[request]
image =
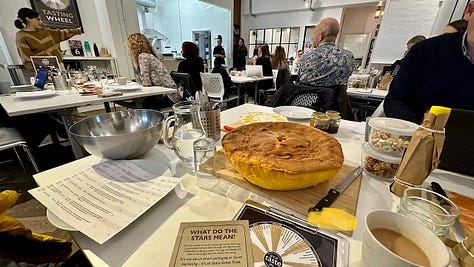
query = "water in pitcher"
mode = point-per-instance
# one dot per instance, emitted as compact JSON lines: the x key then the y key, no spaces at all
{"x":184,"y":140}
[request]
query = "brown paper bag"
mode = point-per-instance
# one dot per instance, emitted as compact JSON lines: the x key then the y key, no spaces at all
{"x":385,"y":81}
{"x":422,"y":154}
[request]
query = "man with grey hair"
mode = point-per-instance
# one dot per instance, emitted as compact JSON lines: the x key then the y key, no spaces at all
{"x":326,"y":65}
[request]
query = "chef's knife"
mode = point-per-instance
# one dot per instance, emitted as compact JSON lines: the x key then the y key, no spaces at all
{"x":336,"y":191}
{"x":457,"y":224}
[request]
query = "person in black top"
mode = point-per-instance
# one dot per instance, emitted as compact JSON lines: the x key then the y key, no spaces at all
{"x":193,"y":64}
{"x":264,"y":60}
{"x":225,"y":78}
{"x":396,"y":65}
{"x":437,"y":71}
{"x":240,"y":54}
{"x":219,"y":52}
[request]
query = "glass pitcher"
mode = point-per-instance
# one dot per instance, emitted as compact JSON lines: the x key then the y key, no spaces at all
{"x":187,"y":129}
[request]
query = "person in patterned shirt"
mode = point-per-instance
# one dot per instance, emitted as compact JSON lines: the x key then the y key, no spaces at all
{"x":150,"y":71}
{"x":326,"y":65}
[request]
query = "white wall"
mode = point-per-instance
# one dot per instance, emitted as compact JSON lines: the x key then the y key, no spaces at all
{"x":299,"y":18}
{"x":177,"y":19}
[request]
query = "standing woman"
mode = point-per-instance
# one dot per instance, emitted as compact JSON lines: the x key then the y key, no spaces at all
{"x":193,"y":64}
{"x":150,"y":71}
{"x":263,"y":59}
{"x":240,"y":54}
{"x":35,"y":40}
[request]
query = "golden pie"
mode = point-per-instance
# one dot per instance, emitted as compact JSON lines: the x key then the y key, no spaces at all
{"x":283,"y":155}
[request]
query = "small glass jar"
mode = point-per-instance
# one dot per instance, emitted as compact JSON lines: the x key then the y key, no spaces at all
{"x":321,"y":122}
{"x":313,"y":117}
{"x":334,"y":121}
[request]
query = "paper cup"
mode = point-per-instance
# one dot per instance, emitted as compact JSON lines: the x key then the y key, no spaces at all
{"x":374,"y":253}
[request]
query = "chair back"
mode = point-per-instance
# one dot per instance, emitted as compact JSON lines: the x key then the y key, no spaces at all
{"x":184,"y":83}
{"x":213,"y":85}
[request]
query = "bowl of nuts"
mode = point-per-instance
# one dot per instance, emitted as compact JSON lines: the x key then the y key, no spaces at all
{"x":379,"y":165}
{"x":390,"y":135}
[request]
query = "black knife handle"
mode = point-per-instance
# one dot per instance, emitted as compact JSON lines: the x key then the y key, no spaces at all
{"x":326,"y":201}
{"x":438,"y":189}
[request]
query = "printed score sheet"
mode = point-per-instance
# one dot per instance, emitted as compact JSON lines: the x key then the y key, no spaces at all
{"x":105,"y":198}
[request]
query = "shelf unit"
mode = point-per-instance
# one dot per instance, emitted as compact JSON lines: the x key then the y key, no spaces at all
{"x":108,"y":63}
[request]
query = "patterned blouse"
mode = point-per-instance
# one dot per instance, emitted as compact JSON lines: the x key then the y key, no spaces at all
{"x":153,"y":73}
{"x":326,"y":65}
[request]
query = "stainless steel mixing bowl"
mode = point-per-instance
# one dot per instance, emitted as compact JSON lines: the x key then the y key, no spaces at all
{"x":123,"y":134}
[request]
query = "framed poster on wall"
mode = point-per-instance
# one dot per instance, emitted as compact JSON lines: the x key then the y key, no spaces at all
{"x":58,"y":14}
{"x":308,"y":37}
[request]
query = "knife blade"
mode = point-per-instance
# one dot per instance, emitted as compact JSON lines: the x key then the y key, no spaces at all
{"x":457,"y":224}
{"x":336,"y":191}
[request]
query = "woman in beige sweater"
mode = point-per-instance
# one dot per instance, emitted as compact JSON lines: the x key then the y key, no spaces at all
{"x":35,"y":40}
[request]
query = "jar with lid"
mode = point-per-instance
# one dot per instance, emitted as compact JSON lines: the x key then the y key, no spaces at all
{"x":334,"y":121}
{"x":321,"y":122}
{"x":313,"y":117}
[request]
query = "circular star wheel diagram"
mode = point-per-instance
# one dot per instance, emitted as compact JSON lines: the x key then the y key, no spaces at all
{"x":275,"y":245}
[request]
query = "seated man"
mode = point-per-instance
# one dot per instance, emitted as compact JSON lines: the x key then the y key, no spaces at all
{"x":327,"y":65}
{"x":437,"y":71}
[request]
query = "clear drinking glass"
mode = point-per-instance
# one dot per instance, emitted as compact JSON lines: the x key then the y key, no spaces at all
{"x":433,"y":210}
{"x":104,"y":82}
{"x":204,"y":152}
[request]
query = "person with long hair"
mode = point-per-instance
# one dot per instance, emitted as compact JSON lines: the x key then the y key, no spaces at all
{"x":240,"y":54}
{"x":150,"y":71}
{"x":33,"y":39}
{"x":263,"y":59}
{"x":279,"y":60}
{"x":193,"y":64}
{"x":280,"y":63}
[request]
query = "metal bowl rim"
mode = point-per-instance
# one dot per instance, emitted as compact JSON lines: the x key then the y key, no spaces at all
{"x":117,"y":135}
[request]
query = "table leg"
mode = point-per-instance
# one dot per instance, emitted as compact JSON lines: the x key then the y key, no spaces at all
{"x":66,"y":116}
{"x":107,"y":107}
{"x":255,"y":101}
{"x":238,"y":94}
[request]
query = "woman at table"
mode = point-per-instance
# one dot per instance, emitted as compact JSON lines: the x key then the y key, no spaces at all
{"x":193,"y":64}
{"x":263,"y":59}
{"x":280,"y":63}
{"x":35,"y":40}
{"x":150,"y":71}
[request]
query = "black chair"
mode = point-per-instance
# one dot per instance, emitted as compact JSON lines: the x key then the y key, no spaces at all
{"x":185,"y":84}
{"x":317,"y":98}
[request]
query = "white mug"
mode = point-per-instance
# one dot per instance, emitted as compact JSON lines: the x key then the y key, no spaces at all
{"x":121,"y":80}
{"x":376,"y":254}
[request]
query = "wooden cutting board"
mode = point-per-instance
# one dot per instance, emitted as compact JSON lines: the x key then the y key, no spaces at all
{"x":297,"y":200}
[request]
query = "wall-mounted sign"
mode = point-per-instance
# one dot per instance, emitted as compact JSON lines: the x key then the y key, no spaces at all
{"x":58,"y":14}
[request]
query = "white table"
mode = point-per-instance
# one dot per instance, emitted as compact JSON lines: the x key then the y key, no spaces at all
{"x":367,"y":92}
{"x":240,"y":80}
{"x":64,"y":103}
{"x":152,"y":236}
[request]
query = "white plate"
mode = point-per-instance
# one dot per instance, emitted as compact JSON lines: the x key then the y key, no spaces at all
{"x":294,"y":112}
{"x":36,"y":94}
{"x":150,"y":166}
{"x":124,"y":88}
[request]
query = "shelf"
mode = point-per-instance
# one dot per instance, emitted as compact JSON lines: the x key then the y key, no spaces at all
{"x":89,"y":58}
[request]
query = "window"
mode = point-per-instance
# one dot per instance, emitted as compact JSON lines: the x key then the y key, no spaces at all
{"x":273,"y":37}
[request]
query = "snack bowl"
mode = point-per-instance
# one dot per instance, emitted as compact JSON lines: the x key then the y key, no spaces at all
{"x":123,"y":134}
{"x":390,"y":135}
{"x":379,"y":165}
